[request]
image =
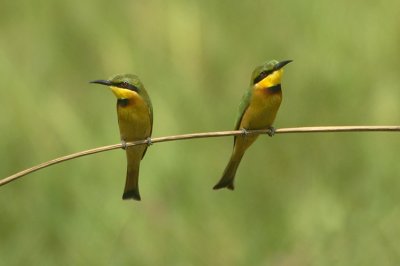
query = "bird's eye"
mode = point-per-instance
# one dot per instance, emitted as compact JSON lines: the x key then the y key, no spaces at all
{"x":127,"y":85}
{"x":261,"y":76}
{"x":124,"y":84}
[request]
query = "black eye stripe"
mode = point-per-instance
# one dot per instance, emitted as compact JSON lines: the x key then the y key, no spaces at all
{"x":126,"y":85}
{"x":262,"y":75}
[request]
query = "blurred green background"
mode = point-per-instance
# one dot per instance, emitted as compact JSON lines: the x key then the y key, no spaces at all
{"x":301,"y":199}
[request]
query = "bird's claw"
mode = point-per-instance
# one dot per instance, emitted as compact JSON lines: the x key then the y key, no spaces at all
{"x":149,"y":142}
{"x":244,"y":132}
{"x":271,"y":131}
{"x":123,"y":143}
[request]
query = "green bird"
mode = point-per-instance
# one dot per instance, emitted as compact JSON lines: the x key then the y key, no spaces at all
{"x":257,"y":110}
{"x":135,"y":120}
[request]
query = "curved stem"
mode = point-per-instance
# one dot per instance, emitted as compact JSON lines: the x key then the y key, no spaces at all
{"x":195,"y":136}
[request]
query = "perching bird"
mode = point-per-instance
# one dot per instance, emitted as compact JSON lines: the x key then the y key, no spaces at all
{"x":135,"y":119}
{"x":257,"y":110}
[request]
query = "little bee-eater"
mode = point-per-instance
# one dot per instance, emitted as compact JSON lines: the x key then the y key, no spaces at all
{"x":135,"y":119}
{"x":257,"y":110}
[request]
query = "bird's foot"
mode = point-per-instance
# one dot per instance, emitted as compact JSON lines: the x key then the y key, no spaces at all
{"x":244,"y":132}
{"x":123,"y":143}
{"x":149,"y":142}
{"x":271,"y":131}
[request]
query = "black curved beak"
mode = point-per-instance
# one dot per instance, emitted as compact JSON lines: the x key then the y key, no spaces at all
{"x":102,"y":82}
{"x":282,"y":64}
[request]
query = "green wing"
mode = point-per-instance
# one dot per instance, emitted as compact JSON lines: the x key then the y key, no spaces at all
{"x":244,"y":104}
{"x":151,"y":114}
{"x":150,"y":106}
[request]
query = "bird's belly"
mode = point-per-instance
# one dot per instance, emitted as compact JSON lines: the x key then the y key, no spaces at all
{"x":134,"y":123}
{"x":262,"y":111}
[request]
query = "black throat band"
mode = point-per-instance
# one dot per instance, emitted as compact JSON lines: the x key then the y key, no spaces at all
{"x":122,"y":102}
{"x":274,"y":89}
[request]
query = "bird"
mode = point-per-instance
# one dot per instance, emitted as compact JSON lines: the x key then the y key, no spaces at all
{"x":135,"y":120}
{"x":257,"y":110}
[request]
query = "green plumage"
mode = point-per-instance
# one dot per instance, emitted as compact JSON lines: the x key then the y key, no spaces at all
{"x":134,"y":80}
{"x":135,"y":120}
{"x":257,"y":110}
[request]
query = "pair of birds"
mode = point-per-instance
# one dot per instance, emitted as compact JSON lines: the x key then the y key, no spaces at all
{"x":257,"y":110}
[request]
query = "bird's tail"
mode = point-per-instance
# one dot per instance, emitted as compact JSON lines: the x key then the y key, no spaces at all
{"x":131,"y":190}
{"x":228,"y":176}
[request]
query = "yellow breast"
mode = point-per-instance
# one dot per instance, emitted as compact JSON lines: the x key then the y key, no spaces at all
{"x":262,"y":109}
{"x":134,"y":119}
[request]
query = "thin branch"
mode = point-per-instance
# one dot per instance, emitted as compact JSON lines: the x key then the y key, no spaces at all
{"x":196,"y":136}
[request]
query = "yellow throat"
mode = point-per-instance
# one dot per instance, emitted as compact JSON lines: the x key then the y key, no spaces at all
{"x":271,"y":80}
{"x":121,"y":93}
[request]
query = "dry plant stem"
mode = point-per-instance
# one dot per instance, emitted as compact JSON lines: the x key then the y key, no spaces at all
{"x":195,"y":136}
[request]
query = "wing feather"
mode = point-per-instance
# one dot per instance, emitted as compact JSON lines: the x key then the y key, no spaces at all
{"x":244,"y":104}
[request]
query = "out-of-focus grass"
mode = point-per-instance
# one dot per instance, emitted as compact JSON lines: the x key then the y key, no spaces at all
{"x":315,"y":199}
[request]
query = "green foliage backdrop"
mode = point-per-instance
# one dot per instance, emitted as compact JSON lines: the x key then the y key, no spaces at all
{"x":305,"y":199}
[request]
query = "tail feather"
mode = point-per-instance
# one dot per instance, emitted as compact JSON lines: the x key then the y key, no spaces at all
{"x":228,"y":177}
{"x":131,"y":194}
{"x":131,"y":190}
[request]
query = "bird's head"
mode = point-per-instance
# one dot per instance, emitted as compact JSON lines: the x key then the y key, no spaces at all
{"x":124,"y":86}
{"x":268,"y":74}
